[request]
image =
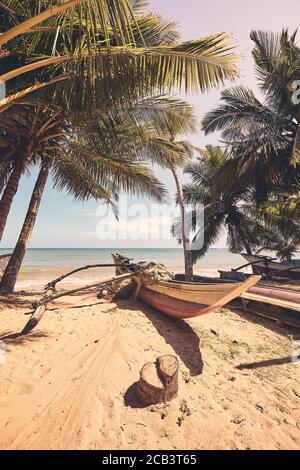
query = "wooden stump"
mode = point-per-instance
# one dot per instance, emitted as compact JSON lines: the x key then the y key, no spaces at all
{"x":158,"y":381}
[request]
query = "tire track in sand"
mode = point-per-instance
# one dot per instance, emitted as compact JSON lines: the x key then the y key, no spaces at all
{"x":60,"y":403}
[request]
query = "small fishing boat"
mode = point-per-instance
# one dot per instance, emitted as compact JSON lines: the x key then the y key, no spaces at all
{"x":180,"y":299}
{"x":266,"y":265}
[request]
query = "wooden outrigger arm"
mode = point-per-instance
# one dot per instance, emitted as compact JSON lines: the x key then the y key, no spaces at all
{"x":52,"y":285}
{"x":263,"y":259}
{"x":40,"y":306}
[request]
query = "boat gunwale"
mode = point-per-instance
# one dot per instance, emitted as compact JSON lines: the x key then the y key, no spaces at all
{"x":192,"y":286}
{"x":188,"y":286}
{"x":268,"y":263}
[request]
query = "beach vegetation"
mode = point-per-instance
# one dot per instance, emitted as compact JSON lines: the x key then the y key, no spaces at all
{"x":98,"y":156}
{"x":250,"y":184}
{"x":225,"y":209}
{"x":87,"y":57}
{"x":262,"y":135}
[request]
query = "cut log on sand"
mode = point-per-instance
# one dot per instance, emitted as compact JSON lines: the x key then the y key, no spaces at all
{"x":158,"y":381}
{"x":40,"y":306}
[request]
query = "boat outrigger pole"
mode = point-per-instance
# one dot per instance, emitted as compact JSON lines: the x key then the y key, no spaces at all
{"x":265,"y":259}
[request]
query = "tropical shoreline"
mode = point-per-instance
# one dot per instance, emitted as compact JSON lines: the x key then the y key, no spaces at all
{"x":43,"y":265}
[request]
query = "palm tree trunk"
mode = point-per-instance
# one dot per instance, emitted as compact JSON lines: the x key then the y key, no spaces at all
{"x":247,"y":247}
{"x":188,"y":259}
{"x":244,"y":241}
{"x":11,"y":272}
{"x":11,"y":189}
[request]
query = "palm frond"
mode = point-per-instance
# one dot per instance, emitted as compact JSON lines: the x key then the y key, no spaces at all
{"x":194,"y":65}
{"x":154,"y":30}
{"x":96,"y":17}
{"x":73,"y":178}
{"x":277,"y":64}
{"x":239,"y":108}
{"x":295,"y":158}
{"x":194,"y":194}
{"x":213,"y":225}
{"x":124,"y":173}
{"x":168,"y":115}
{"x":7,"y":103}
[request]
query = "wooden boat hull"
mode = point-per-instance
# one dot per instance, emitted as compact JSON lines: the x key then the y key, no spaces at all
{"x":175,"y":308}
{"x":271,"y":266}
{"x":276,"y":293}
{"x":276,"y":303}
{"x":286,"y":299}
{"x":187,"y":300}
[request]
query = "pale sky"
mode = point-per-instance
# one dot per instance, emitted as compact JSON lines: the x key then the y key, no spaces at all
{"x":64,"y":223}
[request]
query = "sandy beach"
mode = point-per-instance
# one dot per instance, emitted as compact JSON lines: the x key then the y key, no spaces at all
{"x":70,"y":383}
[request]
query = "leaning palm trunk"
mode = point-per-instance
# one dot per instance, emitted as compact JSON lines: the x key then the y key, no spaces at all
{"x":244,"y":241}
{"x":247,"y":246}
{"x":10,"y":100}
{"x":188,"y":260}
{"x":10,"y":275}
{"x":11,"y":189}
{"x":35,"y":20}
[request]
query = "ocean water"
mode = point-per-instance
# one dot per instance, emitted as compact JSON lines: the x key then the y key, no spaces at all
{"x":42,"y":265}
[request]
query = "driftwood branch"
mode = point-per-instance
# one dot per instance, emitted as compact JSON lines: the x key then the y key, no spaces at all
{"x":40,"y":306}
{"x":49,"y":298}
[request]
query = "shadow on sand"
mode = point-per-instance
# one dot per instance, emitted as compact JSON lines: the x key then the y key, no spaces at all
{"x":13,"y":302}
{"x":130,"y":398}
{"x":177,"y":333}
{"x":269,"y":363}
{"x":272,"y":324}
{"x":20,"y":338}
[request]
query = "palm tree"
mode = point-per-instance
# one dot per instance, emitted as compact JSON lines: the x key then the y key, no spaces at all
{"x":224,"y":209}
{"x":11,"y":7}
{"x":285,"y":247}
{"x":271,"y":226}
{"x":9,"y":278}
{"x":188,"y":260}
{"x":263,"y":136}
{"x":10,"y":147}
{"x":106,"y":75}
{"x":173,"y":155}
{"x":107,"y":56}
{"x":25,"y":129}
{"x":22,"y":138}
{"x":100,"y":157}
